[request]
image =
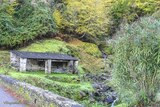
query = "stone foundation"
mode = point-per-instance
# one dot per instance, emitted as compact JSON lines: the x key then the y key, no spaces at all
{"x":38,"y":96}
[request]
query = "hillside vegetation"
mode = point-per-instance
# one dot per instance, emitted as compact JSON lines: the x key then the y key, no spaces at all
{"x":125,"y":31}
{"x":89,"y":55}
{"x":69,"y":85}
{"x":136,"y":64}
{"x":23,"y":21}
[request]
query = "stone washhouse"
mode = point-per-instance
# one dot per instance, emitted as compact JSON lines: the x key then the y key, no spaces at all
{"x":48,"y":62}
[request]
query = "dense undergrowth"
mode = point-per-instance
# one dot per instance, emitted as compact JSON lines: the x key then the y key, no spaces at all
{"x":23,"y":21}
{"x":136,"y":64}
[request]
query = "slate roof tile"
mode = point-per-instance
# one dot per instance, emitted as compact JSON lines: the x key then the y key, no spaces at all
{"x":41,"y":55}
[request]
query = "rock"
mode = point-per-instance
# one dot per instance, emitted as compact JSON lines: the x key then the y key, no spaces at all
{"x":103,"y":78}
{"x":76,"y":106}
{"x":96,"y":77}
{"x":92,"y":100}
{"x":105,"y":88}
{"x":109,"y":99}
{"x":86,"y":92}
{"x":96,"y":86}
{"x":102,"y":92}
{"x":97,"y":94}
{"x":82,"y":94}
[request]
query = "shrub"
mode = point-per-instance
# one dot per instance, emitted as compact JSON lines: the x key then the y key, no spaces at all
{"x":122,"y":105}
{"x":22,"y":22}
{"x":91,"y":49}
{"x":83,"y":17}
{"x":137,"y":59}
{"x":130,"y":10}
{"x":64,"y":79}
{"x":157,"y":14}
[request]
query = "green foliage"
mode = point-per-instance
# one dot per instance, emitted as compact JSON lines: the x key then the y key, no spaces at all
{"x":91,"y":49}
{"x":108,"y":50}
{"x":24,"y":20}
{"x":157,"y":14}
{"x":10,"y":9}
{"x":73,"y":79}
{"x":84,"y":17}
{"x":130,"y":10}
{"x":93,"y":104}
{"x":21,"y":22}
{"x":4,"y":58}
{"x":136,"y":64}
{"x":4,"y":62}
{"x":122,"y":105}
{"x":47,"y":46}
{"x":68,"y":89}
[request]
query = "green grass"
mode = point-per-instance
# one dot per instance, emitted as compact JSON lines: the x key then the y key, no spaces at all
{"x":67,"y":89}
{"x":42,"y":75}
{"x":122,"y":105}
{"x":67,"y":85}
{"x":4,"y":57}
{"x":86,"y":52}
{"x":47,"y":46}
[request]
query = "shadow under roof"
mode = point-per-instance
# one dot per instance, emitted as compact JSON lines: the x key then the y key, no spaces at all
{"x":41,"y":55}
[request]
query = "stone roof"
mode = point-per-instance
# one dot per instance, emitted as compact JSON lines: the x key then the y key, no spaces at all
{"x":41,"y":55}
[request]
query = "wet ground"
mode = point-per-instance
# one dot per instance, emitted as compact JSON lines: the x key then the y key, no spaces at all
{"x":6,"y":100}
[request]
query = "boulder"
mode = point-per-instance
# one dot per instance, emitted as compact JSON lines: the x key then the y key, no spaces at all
{"x":109,"y":99}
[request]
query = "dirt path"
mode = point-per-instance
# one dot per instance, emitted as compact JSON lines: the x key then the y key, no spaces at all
{"x":6,"y":100}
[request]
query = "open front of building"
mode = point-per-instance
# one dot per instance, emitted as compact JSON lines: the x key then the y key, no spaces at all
{"x":48,"y":62}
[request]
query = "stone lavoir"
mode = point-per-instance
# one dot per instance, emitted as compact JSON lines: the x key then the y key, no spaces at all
{"x":49,"y":62}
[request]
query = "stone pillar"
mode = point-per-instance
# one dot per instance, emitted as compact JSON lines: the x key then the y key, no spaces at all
{"x":12,"y":58}
{"x":23,"y":64}
{"x":70,"y":66}
{"x":75,"y":66}
{"x":48,"y":66}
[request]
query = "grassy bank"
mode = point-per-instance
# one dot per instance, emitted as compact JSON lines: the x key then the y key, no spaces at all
{"x":67,"y":85}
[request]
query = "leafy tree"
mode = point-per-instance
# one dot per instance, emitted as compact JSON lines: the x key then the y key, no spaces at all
{"x":84,"y":17}
{"x":130,"y":10}
{"x":24,"y":22}
{"x":136,"y":65}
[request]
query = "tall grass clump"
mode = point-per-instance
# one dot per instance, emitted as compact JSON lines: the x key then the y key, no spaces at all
{"x":136,"y":71}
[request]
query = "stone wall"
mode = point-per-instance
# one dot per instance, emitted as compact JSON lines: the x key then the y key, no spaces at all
{"x":32,"y":65}
{"x":14,"y":60}
{"x":38,"y":96}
